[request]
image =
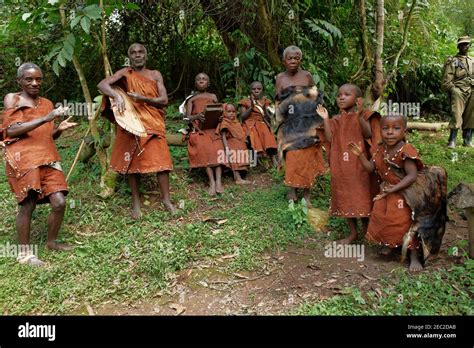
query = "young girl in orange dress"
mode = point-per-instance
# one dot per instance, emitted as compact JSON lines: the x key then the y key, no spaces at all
{"x":204,"y":146}
{"x":391,"y":216}
{"x":236,"y":155}
{"x":351,"y":193}
{"x":255,"y":123}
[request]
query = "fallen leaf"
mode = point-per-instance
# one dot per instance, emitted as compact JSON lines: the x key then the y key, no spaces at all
{"x":220,"y":222}
{"x":146,"y":203}
{"x":367,"y":277}
{"x":318,"y":284}
{"x":203,"y":283}
{"x":229,"y":256}
{"x":178,"y":308}
{"x":89,"y":309}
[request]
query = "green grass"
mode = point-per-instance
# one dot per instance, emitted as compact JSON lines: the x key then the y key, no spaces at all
{"x":448,"y":292}
{"x":119,"y":260}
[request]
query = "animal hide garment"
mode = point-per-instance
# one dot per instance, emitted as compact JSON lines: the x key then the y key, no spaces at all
{"x":296,"y":118}
{"x":427,"y":198}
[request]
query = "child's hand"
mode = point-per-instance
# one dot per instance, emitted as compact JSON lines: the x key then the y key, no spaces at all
{"x":321,"y":110}
{"x":354,"y":148}
{"x":360,"y":105}
{"x":380,"y":196}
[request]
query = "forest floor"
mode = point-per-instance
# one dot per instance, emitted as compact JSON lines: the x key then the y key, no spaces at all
{"x":245,"y":252}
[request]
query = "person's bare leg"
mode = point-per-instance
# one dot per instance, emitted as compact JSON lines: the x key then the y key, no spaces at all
{"x":239,"y":180}
{"x":291,"y":195}
{"x":415,"y":264}
{"x":55,"y":219}
{"x":212,"y":182}
{"x":164,"y":181}
{"x":365,"y":224}
{"x":275,"y":161}
{"x":134,"y":182}
{"x":307,"y":198}
{"x":353,"y":232}
{"x":23,"y":227}
{"x":219,"y":186}
{"x":23,"y":219}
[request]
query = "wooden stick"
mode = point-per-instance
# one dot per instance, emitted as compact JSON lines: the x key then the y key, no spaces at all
{"x":78,"y":153}
{"x":427,"y":126}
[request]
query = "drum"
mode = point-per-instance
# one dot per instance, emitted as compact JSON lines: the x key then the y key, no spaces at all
{"x":212,"y":114}
{"x":130,"y":118}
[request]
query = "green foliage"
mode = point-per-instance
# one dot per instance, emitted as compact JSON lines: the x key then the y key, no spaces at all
{"x":298,"y":212}
{"x":439,"y":293}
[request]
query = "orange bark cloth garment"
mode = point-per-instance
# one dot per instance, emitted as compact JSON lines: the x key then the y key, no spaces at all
{"x":391,"y":216}
{"x":28,"y":157}
{"x":238,"y":156}
{"x":260,"y":135}
{"x":350,"y":183}
{"x":204,"y":146}
{"x":302,"y":166}
{"x":133,"y":154}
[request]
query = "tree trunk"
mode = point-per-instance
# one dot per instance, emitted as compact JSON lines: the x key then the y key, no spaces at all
{"x":404,"y":42}
{"x":379,"y":83}
{"x":265,"y":23}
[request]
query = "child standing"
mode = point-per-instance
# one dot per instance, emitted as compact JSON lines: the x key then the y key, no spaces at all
{"x":236,"y":155}
{"x":391,"y":216}
{"x":256,"y":124}
{"x":204,"y":146}
{"x":351,"y":196}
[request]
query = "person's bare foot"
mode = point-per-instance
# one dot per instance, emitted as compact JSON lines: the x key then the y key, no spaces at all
{"x":385,"y":251}
{"x":415,"y":264}
{"x":168,"y":205}
{"x":136,"y":213}
{"x":53,"y":245}
{"x":347,"y":240}
{"x":219,"y":187}
{"x":308,"y":200}
{"x":291,"y":195}
{"x":242,"y":182}
{"x":212,"y":189}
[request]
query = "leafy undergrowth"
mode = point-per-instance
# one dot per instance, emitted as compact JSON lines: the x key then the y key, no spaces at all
{"x":119,"y":259}
{"x":448,"y":292}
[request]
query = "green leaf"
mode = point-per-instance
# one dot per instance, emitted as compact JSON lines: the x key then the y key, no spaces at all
{"x":61,"y":59}
{"x":53,"y":52}
{"x":76,"y":20}
{"x":86,"y":24}
{"x":81,"y":252}
{"x":66,"y":52}
{"x":71,"y":39}
{"x":93,"y":12}
{"x":56,"y":67}
{"x":132,"y":6}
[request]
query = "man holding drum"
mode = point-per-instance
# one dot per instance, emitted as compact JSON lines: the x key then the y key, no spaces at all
{"x":132,"y":154}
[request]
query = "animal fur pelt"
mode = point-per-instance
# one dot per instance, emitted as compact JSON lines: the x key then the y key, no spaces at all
{"x":427,"y":198}
{"x":296,"y":118}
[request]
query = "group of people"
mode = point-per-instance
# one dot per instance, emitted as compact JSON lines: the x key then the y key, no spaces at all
{"x":370,"y":162}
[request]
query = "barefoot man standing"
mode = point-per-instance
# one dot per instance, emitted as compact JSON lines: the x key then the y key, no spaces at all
{"x":131,"y":154}
{"x":33,"y":164}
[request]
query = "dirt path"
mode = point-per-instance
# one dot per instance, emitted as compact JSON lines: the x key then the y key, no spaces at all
{"x":286,"y":280}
